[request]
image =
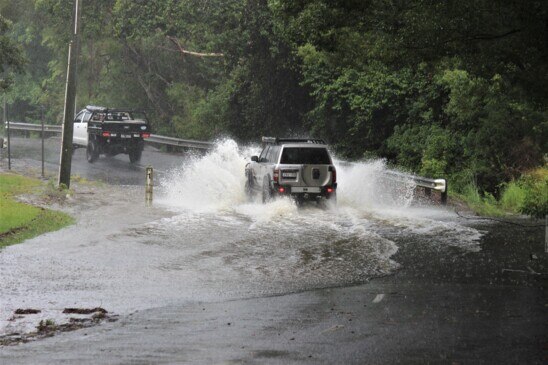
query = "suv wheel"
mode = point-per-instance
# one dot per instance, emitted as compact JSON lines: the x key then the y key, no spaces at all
{"x":267,"y":193}
{"x":248,"y":189}
{"x":92,"y":151}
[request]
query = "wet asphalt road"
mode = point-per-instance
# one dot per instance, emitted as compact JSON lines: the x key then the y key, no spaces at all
{"x":442,"y":305}
{"x":117,"y":170}
{"x":447,"y":311}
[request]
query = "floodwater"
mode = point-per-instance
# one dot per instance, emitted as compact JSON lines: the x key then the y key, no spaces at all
{"x":203,"y":241}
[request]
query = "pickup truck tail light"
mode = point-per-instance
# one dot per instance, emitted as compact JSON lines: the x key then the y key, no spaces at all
{"x":145,"y":135}
{"x":276,"y":176}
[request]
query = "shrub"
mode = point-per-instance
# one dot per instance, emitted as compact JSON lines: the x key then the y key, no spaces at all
{"x":483,"y":205}
{"x":535,"y":201}
{"x":513,"y":196}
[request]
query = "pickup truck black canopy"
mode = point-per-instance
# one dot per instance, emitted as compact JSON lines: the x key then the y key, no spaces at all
{"x":102,"y":109}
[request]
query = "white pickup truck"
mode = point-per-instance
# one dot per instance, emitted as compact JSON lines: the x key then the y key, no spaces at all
{"x":110,"y":131}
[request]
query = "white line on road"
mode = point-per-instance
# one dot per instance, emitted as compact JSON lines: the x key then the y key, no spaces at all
{"x":378,"y":298}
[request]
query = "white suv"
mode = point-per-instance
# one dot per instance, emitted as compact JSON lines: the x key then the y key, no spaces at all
{"x":300,"y":168}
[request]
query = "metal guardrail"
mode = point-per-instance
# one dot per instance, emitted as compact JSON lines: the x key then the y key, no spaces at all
{"x":154,"y":138}
{"x":171,"y":141}
{"x":429,"y":184}
{"x":35,"y":127}
{"x":424,"y":182}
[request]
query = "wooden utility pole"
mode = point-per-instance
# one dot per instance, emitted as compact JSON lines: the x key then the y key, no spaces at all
{"x":70,"y":97}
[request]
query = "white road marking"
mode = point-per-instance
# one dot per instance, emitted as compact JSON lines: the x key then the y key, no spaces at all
{"x":378,"y":298}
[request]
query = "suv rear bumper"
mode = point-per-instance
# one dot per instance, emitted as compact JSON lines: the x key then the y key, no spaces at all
{"x":305,"y":192}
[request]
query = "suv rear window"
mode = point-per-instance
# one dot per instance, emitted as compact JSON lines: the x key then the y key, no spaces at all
{"x":305,"y":155}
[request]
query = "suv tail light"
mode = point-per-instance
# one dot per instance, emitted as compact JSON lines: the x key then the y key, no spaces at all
{"x":333,"y":174}
{"x":106,"y":134}
{"x":276,"y":175}
{"x":146,"y":135}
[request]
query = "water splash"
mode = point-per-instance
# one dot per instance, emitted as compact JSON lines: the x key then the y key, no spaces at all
{"x":212,"y":182}
{"x":215,"y":182}
{"x":365,"y":186}
{"x":367,"y":196}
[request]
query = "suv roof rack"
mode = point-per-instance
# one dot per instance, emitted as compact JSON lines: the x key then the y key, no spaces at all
{"x":274,"y":140}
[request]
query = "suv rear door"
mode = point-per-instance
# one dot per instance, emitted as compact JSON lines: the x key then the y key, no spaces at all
{"x":305,"y":166}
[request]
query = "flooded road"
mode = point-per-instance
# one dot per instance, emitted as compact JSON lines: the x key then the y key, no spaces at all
{"x":203,"y":240}
{"x":203,"y":244}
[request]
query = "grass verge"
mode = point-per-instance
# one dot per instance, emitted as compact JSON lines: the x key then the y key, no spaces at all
{"x":20,"y":221}
{"x":527,"y":195}
{"x":485,"y":205}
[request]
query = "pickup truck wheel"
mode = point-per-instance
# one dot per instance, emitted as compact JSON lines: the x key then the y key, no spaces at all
{"x":135,"y":155}
{"x":267,"y":193}
{"x":92,"y":151}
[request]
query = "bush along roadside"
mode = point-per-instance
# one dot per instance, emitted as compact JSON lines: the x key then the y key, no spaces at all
{"x":526,"y":195}
{"x":20,"y":221}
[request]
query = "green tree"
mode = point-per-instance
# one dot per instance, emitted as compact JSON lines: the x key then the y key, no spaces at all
{"x":438,"y":87}
{"x":11,"y":56}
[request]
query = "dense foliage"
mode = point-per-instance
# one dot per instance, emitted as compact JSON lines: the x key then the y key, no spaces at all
{"x":442,"y":88}
{"x":11,"y":58}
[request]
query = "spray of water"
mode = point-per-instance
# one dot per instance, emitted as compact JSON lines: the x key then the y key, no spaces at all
{"x":365,"y":186}
{"x":278,"y":246}
{"x":210,"y":183}
{"x":215,"y":182}
{"x":367,"y":197}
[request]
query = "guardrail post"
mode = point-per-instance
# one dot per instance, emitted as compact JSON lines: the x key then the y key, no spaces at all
{"x":444,"y":195}
{"x":149,"y":185}
{"x":43,"y":155}
{"x":7,"y":131}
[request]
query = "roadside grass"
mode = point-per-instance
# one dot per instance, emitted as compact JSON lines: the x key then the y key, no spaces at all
{"x":527,"y":195}
{"x":513,"y":197}
{"x":20,"y":221}
{"x":17,"y":184}
{"x":483,"y":205}
{"x":14,"y":214}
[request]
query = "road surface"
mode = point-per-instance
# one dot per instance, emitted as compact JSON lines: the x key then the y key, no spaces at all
{"x":205,"y":276}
